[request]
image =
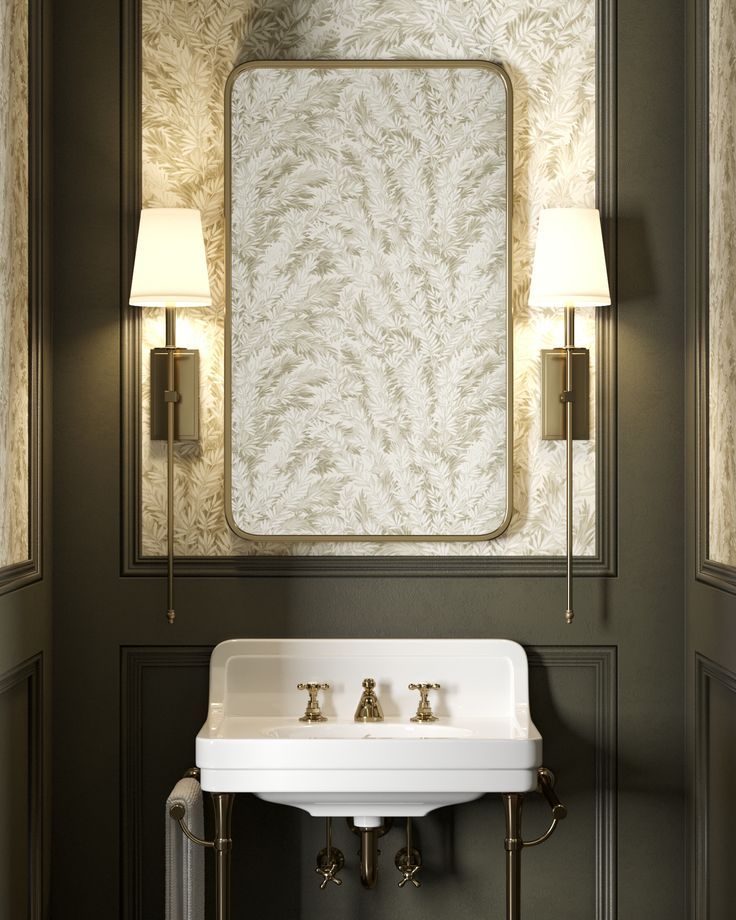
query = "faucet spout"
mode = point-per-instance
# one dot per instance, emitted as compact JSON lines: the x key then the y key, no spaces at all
{"x":369,"y":709}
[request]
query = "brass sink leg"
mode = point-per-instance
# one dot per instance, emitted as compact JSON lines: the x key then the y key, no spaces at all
{"x":512,"y":803}
{"x":514,"y":843}
{"x":223,"y":803}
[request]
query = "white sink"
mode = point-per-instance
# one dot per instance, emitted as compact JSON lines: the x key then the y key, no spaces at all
{"x":374,"y":730}
{"x":484,"y":739}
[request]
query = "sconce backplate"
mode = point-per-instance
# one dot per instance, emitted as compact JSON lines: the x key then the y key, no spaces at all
{"x":553,"y":385}
{"x":186,"y":383}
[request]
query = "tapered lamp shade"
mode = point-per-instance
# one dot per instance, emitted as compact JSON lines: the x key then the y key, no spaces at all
{"x":569,"y":262}
{"x":170,"y":263}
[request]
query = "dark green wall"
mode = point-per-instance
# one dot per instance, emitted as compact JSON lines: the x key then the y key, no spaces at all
{"x":710,"y":596}
{"x":26,"y":601}
{"x":130,"y":691}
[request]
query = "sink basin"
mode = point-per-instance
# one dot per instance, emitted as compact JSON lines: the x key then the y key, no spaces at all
{"x":376,"y":731}
{"x":484,"y":739}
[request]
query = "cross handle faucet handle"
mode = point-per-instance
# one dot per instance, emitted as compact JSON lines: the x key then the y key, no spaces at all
{"x":313,"y":713}
{"x":424,"y":710}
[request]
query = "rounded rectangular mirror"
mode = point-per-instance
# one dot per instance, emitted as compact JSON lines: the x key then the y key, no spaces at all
{"x":368,"y":374}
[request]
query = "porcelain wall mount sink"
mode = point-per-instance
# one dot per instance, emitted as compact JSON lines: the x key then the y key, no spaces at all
{"x":484,"y":740}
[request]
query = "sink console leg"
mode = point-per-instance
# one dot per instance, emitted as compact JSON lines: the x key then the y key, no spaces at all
{"x":223,"y":803}
{"x":512,"y":802}
{"x":514,"y":844}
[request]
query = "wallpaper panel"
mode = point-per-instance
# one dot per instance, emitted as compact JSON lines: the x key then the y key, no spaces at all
{"x":14,"y":311}
{"x":722,"y":284}
{"x":189,"y":48}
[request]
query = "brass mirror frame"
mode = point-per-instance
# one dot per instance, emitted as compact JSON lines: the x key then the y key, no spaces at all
{"x":364,"y":65}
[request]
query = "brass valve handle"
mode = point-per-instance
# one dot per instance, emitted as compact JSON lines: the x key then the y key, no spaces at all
{"x":313,"y":713}
{"x":424,"y":710}
{"x":328,"y":865}
{"x":408,"y":863}
{"x":330,"y":860}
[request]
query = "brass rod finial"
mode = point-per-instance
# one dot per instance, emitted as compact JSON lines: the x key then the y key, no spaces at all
{"x":569,"y":616}
{"x":171,"y":616}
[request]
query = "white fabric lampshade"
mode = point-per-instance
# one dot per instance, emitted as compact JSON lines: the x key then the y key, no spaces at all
{"x":170,"y":267}
{"x":569,"y":262}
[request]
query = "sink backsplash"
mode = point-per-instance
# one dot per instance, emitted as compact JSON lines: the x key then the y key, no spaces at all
{"x":478,"y":677}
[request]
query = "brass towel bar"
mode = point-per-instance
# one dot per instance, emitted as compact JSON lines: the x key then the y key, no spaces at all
{"x":222,"y":844}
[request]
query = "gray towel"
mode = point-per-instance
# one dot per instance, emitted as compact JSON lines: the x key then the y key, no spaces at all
{"x":184,"y":859}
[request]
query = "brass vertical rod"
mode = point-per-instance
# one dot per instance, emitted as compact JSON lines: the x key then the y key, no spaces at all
{"x":170,"y":408}
{"x":223,"y":802}
{"x":512,"y":803}
{"x":569,"y":397}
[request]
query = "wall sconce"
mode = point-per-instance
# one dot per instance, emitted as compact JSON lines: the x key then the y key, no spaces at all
{"x":170,"y":271}
{"x":569,"y":271}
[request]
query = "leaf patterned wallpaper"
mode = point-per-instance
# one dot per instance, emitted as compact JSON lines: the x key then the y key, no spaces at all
{"x":14,"y":314}
{"x":722,"y":284}
{"x":369,"y":308}
{"x":189,"y":49}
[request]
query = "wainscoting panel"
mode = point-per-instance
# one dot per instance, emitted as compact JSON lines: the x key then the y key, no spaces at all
{"x":21,"y":882}
{"x":163,"y":705}
{"x":715,"y":793}
{"x":573,"y":692}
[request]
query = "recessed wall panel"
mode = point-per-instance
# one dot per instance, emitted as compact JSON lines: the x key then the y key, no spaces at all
{"x":15,"y":373}
{"x":14,"y":793}
{"x":186,"y":59}
{"x":574,"y":705}
{"x":721,"y":388}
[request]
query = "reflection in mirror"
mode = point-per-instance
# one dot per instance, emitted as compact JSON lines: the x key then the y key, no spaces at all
{"x":369,"y":332}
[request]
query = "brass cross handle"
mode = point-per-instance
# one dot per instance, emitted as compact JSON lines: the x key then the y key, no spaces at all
{"x":328,"y":874}
{"x":313,"y":713}
{"x":424,"y":710}
{"x":409,"y":872}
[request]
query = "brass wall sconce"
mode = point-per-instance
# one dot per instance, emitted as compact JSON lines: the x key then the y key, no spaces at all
{"x":569,"y":271}
{"x":170,"y":271}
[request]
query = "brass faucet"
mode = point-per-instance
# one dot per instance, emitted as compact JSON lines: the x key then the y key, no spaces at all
{"x":369,"y":709}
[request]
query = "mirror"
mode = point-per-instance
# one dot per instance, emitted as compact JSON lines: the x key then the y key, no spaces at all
{"x":368,"y":374}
